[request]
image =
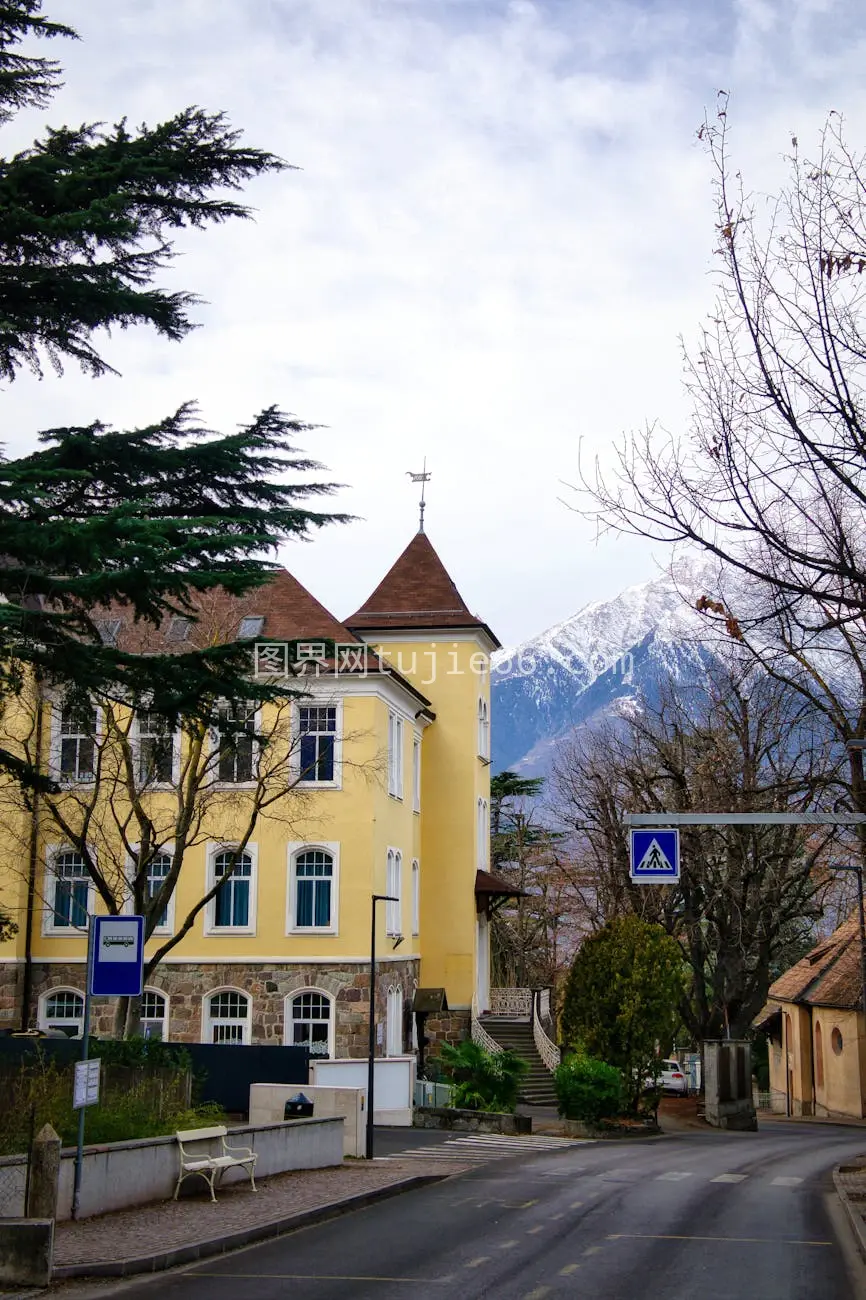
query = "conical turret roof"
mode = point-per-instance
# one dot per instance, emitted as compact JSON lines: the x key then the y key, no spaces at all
{"x":418,"y":593}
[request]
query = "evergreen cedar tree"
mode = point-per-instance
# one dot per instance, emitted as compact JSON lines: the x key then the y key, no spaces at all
{"x":147,"y":517}
{"x":140,"y":517}
{"x":622,"y":997}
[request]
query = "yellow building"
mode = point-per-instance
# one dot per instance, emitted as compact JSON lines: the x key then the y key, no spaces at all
{"x":815,"y":1027}
{"x":385,"y":789}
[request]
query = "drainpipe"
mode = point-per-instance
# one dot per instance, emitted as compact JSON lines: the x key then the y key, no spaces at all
{"x":32,"y":869}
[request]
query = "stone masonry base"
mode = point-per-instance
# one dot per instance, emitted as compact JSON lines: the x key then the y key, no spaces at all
{"x":268,"y":985}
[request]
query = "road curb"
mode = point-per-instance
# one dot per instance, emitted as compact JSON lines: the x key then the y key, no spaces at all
{"x":243,"y":1237}
{"x":854,"y":1217}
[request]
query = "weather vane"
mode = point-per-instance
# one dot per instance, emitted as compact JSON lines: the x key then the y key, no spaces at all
{"x":423,"y":478}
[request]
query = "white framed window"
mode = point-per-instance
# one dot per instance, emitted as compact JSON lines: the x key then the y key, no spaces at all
{"x":416,"y":773}
{"x":416,"y":896}
{"x":227,"y":1017}
{"x":393,"y":888}
{"x":232,"y":910}
{"x":313,"y":888}
{"x":158,"y":749}
{"x":318,"y":744}
{"x":158,"y":869}
{"x":483,"y":834}
{"x":395,"y":755}
{"x":236,"y":744}
{"x":62,"y":1009}
{"x":154,"y":1014}
{"x":483,"y":728}
{"x":75,"y":746}
{"x":394,"y":1022}
{"x":309,"y":1022}
{"x":68,"y":893}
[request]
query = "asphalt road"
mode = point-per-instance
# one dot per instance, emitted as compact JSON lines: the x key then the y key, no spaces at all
{"x":692,"y":1215}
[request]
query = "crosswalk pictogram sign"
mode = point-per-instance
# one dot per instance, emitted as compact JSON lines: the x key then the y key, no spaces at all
{"x":655,"y":857}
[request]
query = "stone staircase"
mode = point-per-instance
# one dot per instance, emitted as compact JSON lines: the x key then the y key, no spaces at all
{"x":515,"y":1034}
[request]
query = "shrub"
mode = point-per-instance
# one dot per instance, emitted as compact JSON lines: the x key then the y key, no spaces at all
{"x":136,"y":1101}
{"x":586,"y":1089}
{"x":483,"y":1080}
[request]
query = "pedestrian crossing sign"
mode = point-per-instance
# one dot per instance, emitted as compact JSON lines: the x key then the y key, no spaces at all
{"x":655,"y":857}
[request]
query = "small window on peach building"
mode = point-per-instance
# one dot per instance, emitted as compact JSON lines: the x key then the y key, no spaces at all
{"x":836,"y":1041}
{"x":819,"y":1056}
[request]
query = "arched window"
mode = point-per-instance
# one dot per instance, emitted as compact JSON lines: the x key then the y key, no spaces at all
{"x":62,"y":1009}
{"x":394,"y":890}
{"x":158,"y":869}
{"x":416,"y":897}
{"x":233,"y":906}
{"x":68,"y":893}
{"x":836,"y":1041}
{"x":309,"y":1022}
{"x":483,"y":728}
{"x":483,"y":833}
{"x":227,"y":1017}
{"x":313,"y":889}
{"x":819,"y":1056}
{"x":394,"y":1022}
{"x":154,"y":1014}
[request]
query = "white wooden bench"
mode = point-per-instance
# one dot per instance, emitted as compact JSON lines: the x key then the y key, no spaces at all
{"x":211,"y":1168}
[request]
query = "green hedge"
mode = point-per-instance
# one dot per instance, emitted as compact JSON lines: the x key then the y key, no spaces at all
{"x":587,"y":1090}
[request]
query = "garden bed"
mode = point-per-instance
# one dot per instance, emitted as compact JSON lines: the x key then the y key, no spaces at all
{"x":624,"y":1127}
{"x":471,"y":1121}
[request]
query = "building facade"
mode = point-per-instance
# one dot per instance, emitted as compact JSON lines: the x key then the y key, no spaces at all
{"x":816,"y":1033}
{"x":378,"y":784}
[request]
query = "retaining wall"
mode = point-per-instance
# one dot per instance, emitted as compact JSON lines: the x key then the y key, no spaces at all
{"x":121,"y":1174}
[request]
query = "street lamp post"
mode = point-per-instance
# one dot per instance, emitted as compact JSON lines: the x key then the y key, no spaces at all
{"x":856,"y":747}
{"x":371,"y":1059}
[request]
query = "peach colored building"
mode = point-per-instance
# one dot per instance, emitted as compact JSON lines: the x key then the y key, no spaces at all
{"x":815,"y":1026}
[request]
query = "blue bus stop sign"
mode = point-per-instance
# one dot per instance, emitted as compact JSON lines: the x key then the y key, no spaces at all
{"x":117,"y":962}
{"x":655,"y":857}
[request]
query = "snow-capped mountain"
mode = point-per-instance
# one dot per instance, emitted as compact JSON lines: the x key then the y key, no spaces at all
{"x":596,"y":663}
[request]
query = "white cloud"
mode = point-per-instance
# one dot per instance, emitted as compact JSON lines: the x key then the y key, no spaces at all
{"x":502,"y":224}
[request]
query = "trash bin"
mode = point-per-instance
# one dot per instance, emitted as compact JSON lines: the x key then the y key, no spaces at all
{"x":298,"y":1107}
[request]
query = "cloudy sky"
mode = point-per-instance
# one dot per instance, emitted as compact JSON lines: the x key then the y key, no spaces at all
{"x":501,"y":226}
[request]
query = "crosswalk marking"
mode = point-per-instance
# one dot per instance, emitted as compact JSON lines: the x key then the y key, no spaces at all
{"x":729,"y":1178}
{"x":480,"y":1148}
{"x":785,"y":1182}
{"x":672,"y":1176}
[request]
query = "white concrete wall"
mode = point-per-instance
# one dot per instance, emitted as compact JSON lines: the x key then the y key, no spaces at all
{"x":268,"y":1100}
{"x":394,"y":1084}
{"x":121,"y":1174}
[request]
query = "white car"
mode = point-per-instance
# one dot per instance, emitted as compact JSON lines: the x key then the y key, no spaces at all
{"x":670,"y":1079}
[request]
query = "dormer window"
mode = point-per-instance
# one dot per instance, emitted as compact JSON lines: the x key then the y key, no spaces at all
{"x":251,"y":627}
{"x":108,"y":629}
{"x":178,"y":629}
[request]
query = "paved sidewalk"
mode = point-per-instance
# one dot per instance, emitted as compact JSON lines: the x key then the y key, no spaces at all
{"x":169,"y":1226}
{"x":850,"y":1181}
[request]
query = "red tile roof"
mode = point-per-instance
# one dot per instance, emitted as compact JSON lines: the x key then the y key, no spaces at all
{"x":830,"y":975}
{"x":416,"y":592}
{"x":290,"y":613}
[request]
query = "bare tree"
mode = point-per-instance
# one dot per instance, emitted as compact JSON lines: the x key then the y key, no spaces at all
{"x":771,"y":476}
{"x":747,"y":895}
{"x":138,"y":793}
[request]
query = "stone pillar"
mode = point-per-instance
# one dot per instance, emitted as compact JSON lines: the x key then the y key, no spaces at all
{"x":44,"y":1175}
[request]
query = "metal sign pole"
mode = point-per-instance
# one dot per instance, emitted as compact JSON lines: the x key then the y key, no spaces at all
{"x":371,"y":1060}
{"x":85,"y":1050}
